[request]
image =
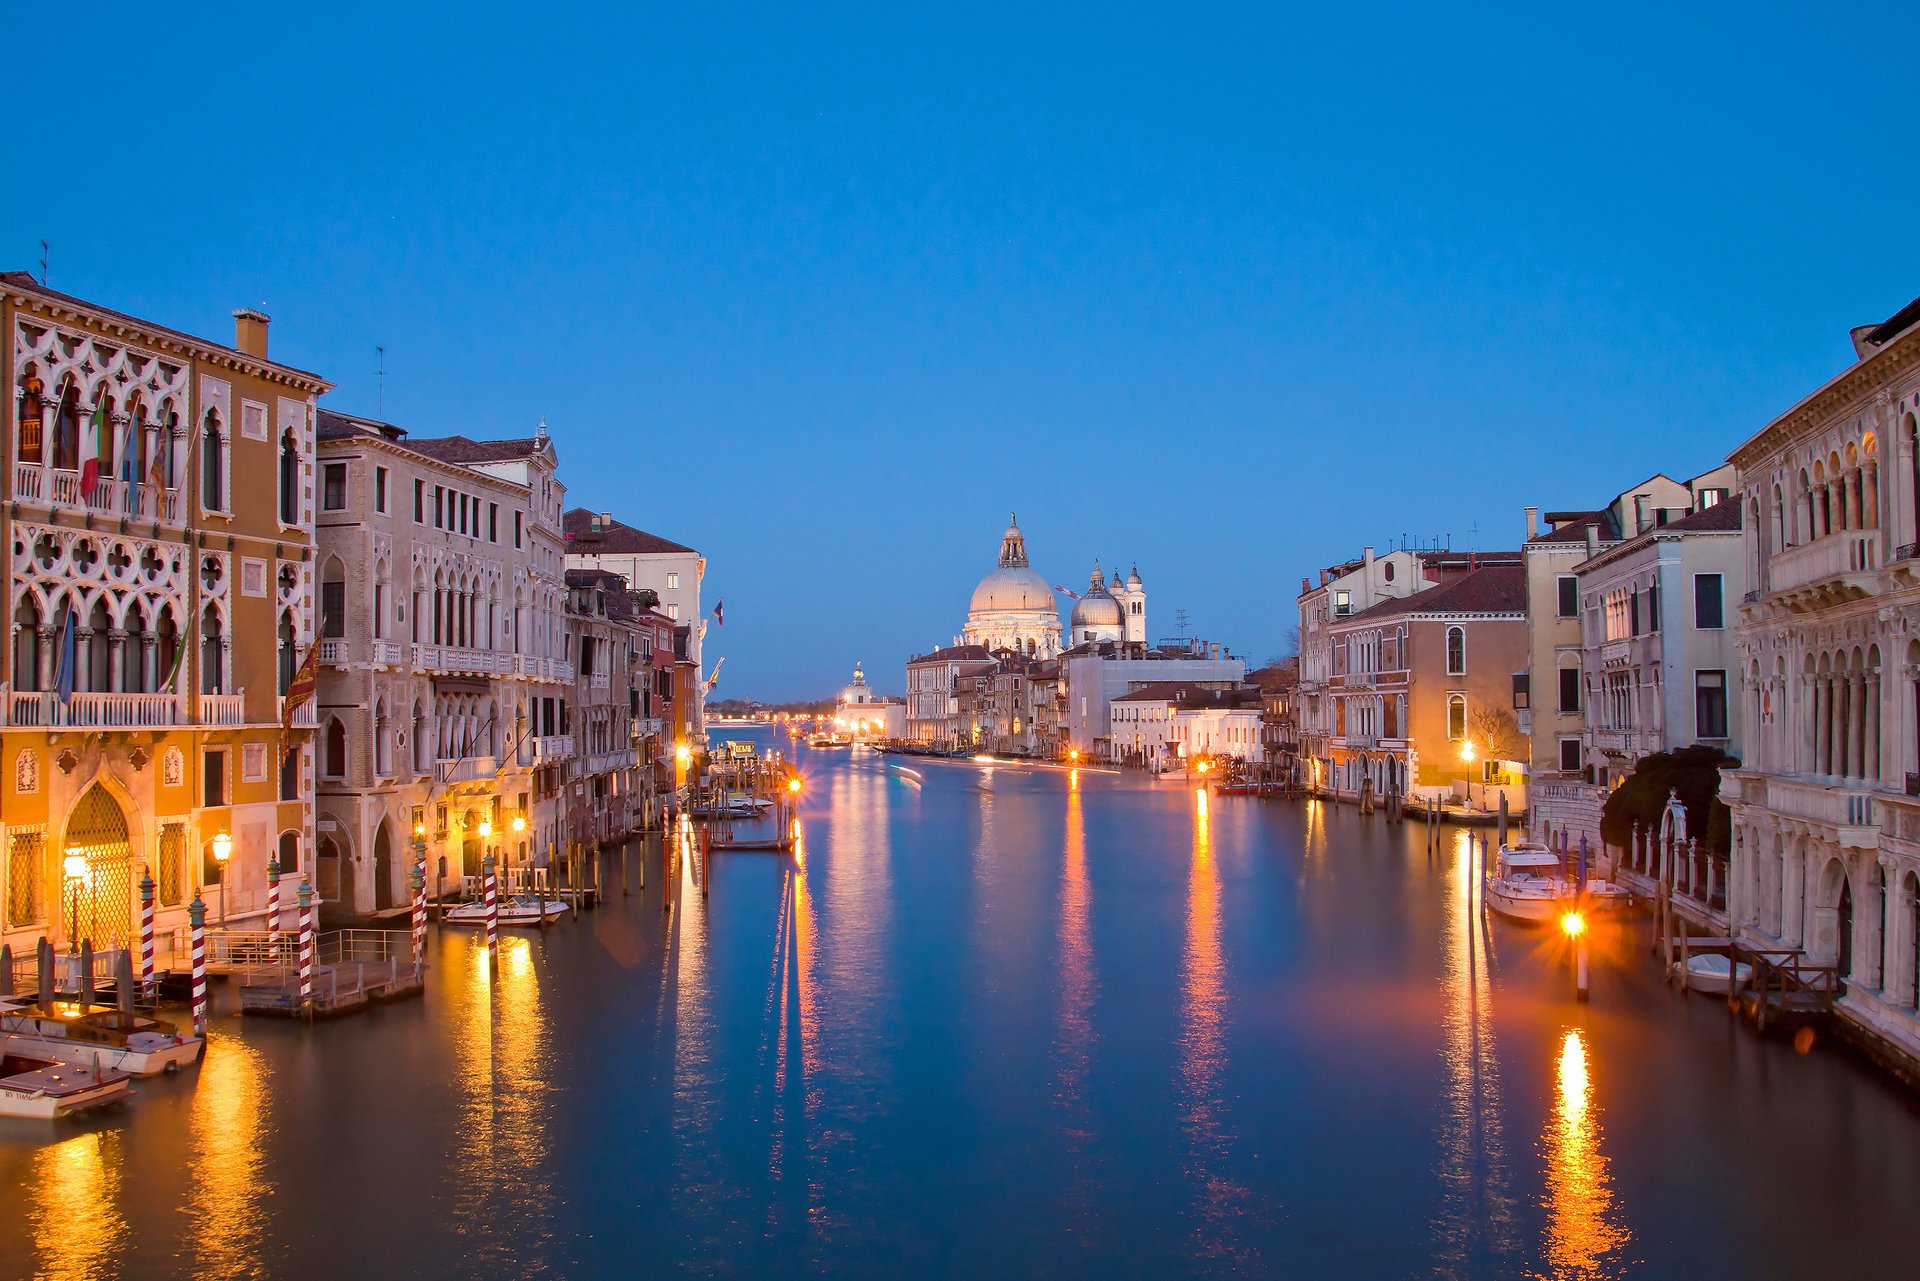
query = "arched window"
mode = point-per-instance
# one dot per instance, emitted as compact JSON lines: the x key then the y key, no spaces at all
{"x":31,"y":444}
{"x":382,"y":742}
{"x":333,"y":599}
{"x":26,"y":645}
{"x":66,"y":428}
{"x":1456,"y":717}
{"x":212,"y":654}
{"x":289,"y":479}
{"x":290,"y":775}
{"x":213,"y":469}
{"x":289,"y":859}
{"x":333,"y":761}
{"x":1456,"y":651}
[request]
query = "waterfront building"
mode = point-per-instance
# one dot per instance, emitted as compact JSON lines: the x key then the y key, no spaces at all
{"x":1095,"y":675}
{"x":1826,"y":802}
{"x":158,"y":504}
{"x":673,"y":572}
{"x":1421,"y":691}
{"x":444,"y":681}
{"x":864,"y":714}
{"x":1279,"y":685}
{"x":934,"y":688}
{"x":1550,"y":693}
{"x":608,"y":793}
{"x":1342,"y":591}
{"x":1166,"y":725}
{"x":1013,"y":607}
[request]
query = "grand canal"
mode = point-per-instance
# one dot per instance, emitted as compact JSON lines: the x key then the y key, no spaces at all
{"x":1002,"y":1022}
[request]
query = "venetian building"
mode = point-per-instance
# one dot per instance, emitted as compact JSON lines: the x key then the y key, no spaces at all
{"x":1097,"y":617}
{"x":1013,"y":607}
{"x":1826,"y":820}
{"x":446,"y":688}
{"x":158,"y":513}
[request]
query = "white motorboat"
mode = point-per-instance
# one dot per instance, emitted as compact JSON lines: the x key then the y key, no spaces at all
{"x":513,"y":909}
{"x":1528,"y":883}
{"x":1715,"y":973}
{"x":77,"y":1037}
{"x":45,"y":1089}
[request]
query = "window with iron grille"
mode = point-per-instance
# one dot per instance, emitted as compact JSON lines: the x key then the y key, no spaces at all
{"x":168,"y":884}
{"x":26,"y":866}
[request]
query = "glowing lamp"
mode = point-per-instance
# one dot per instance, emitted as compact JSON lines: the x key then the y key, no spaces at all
{"x":222,"y":848}
{"x":793,"y":785}
{"x":486,"y":829}
{"x":1574,"y":924}
{"x":420,"y":830}
{"x":1073,"y":754}
{"x":682,"y":753}
{"x":1204,"y":766}
{"x":1466,"y":751}
{"x":519,"y":824}
{"x":76,"y":863}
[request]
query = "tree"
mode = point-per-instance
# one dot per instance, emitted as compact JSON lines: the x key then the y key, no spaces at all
{"x":1495,"y":734}
{"x":1693,"y":772}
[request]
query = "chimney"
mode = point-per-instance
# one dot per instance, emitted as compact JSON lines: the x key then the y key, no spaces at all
{"x":250,"y":332}
{"x":1533,"y":522}
{"x":1366,"y":554}
{"x":1593,"y":538}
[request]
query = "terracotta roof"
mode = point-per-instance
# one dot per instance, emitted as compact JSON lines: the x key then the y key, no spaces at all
{"x":953,"y":653}
{"x":464,"y":449}
{"x":1896,"y":324}
{"x":329,"y":425}
{"x":25,"y":283}
{"x":1191,"y":694}
{"x":1574,"y":530}
{"x":1722,"y":516}
{"x":1496,"y":589}
{"x":614,"y":537}
{"x":1278,"y":675}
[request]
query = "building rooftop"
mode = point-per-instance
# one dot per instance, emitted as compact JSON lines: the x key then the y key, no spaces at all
{"x":1571,"y":527}
{"x":1188,"y":694}
{"x":466,"y":450}
{"x":953,"y":653}
{"x":595,"y":533}
{"x":1494,"y":589}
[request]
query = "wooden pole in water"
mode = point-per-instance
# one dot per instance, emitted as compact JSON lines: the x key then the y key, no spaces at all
{"x":1580,"y":988}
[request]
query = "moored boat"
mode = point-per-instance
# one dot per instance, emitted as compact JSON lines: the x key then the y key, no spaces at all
{"x":1714,"y":973}
{"x":68,"y":1033}
{"x":511,"y":909}
{"x":45,"y":1089}
{"x":1527,"y":883}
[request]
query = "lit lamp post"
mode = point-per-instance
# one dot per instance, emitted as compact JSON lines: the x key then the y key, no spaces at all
{"x":222,"y":851}
{"x":76,"y":870}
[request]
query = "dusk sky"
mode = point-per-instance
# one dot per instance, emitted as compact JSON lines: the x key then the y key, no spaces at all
{"x":1222,"y":293}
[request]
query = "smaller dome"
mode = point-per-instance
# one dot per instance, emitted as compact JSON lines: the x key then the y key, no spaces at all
{"x":1097,"y":608}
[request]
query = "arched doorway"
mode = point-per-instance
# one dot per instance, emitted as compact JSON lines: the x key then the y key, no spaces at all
{"x":99,"y":903}
{"x":333,"y":873}
{"x":382,"y":869}
{"x":1843,"y":925}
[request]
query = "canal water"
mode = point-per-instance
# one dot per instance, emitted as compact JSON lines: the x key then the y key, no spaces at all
{"x":1002,"y":1022}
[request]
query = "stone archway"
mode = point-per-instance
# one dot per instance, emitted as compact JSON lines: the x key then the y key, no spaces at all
{"x":99,"y":904}
{"x":383,"y":896}
{"x":333,"y":873}
{"x":1826,"y":940}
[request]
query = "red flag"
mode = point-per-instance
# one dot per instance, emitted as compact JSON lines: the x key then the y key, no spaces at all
{"x":89,"y":479}
{"x":301,"y":688}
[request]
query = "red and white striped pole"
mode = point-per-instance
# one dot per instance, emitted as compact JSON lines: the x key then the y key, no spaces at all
{"x":197,"y":932}
{"x":306,"y":946}
{"x":420,"y":914}
{"x":146,"y":936}
{"x":273,"y":905}
{"x":493,"y":910}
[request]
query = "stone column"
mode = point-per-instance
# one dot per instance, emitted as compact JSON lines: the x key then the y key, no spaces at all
{"x":150,"y":662}
{"x":1793,"y":890}
{"x":83,"y":658}
{"x":49,"y":639}
{"x":117,"y":659}
{"x":1822,"y":724}
{"x":1874,"y":925}
{"x":1871,"y":728}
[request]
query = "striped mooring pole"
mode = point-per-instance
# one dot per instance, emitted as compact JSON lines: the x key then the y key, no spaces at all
{"x":420,"y":914}
{"x":146,"y":937}
{"x":197,"y":932}
{"x":273,"y":904}
{"x":493,"y":910}
{"x":306,"y":946}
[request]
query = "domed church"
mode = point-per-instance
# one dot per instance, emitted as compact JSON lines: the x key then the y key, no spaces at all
{"x":1097,"y":616}
{"x":1013,"y":607}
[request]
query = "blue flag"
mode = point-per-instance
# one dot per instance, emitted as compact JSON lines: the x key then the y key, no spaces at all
{"x":63,"y":675}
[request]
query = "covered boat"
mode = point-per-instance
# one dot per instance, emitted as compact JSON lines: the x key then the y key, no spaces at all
{"x":513,"y":909}
{"x":68,"y":1032}
{"x":1528,"y":883}
{"x":45,"y":1089}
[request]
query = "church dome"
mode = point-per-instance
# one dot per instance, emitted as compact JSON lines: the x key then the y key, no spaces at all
{"x":859,"y":691}
{"x":1014,"y":585}
{"x":1097,"y":608}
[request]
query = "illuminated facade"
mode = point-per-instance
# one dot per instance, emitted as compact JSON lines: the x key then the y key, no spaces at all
{"x":1826,"y":803}
{"x":861,"y":713}
{"x":1013,"y":607}
{"x":158,"y":508}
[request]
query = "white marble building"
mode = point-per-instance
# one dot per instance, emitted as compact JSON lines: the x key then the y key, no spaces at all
{"x":1826,"y":805}
{"x":1013,"y":607}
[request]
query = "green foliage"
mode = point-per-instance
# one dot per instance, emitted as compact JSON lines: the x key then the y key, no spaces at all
{"x":1694,"y":772}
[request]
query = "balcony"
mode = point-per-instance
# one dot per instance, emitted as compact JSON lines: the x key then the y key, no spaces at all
{"x":468,"y":769}
{"x":333,"y":652}
{"x":1617,"y":742}
{"x":35,"y":710}
{"x":1824,"y":572}
{"x":388,"y":654}
{"x":226,"y":709}
{"x":458,"y":660}
{"x":305,"y":716}
{"x":53,"y":487}
{"x":606,"y":762}
{"x":1852,"y":809}
{"x":597,"y":680}
{"x":548,"y":748}
{"x":1616,"y":653}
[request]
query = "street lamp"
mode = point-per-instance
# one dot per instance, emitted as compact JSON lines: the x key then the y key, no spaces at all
{"x":222,"y":851}
{"x":76,"y":870}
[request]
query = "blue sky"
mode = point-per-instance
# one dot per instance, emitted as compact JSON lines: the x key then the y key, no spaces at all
{"x":1223,"y":292}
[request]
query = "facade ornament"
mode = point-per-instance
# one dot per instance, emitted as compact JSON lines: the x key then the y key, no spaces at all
{"x":138,"y":759}
{"x":67,"y":761}
{"x":26,"y":773}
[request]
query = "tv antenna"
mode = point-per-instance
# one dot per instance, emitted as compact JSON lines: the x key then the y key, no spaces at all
{"x":380,"y":394}
{"x":1180,"y":617}
{"x":45,"y":253}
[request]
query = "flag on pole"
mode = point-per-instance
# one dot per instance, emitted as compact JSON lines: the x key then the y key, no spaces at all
{"x":714,"y":678}
{"x":301,"y":688}
{"x":1066,"y":591}
{"x":719,"y":617}
{"x":130,"y":468}
{"x":157,"y":478}
{"x":63,"y":674}
{"x":100,"y":427}
{"x":703,"y":629}
{"x":173,"y":672}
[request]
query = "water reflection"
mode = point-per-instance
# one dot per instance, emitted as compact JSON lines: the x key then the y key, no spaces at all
{"x":1074,"y":1042}
{"x":77,"y":1225}
{"x":1219,"y":1199}
{"x":1583,"y":1237}
{"x":1477,"y":1215}
{"x":229,"y":1119}
{"x":500,"y":1193}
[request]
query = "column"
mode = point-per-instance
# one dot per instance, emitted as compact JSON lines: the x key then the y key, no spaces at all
{"x":83,"y":658}
{"x":1822,"y":724}
{"x":49,"y":638}
{"x":149,"y":661}
{"x":1871,"y":724}
{"x":1793,"y":890}
{"x":1856,"y":725}
{"x":116,"y":659}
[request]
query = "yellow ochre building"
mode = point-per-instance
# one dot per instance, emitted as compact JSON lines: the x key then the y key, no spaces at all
{"x":158,"y":517}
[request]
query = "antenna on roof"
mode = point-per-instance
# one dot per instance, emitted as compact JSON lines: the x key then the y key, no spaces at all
{"x":1180,"y":617}
{"x":44,"y":254}
{"x":380,"y":394}
{"x":1473,"y":533}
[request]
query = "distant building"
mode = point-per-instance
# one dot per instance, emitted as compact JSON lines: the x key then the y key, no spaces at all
{"x":933,"y":693}
{"x":1279,"y":686}
{"x":672,"y":571}
{"x":609,"y":791}
{"x":1095,"y":675}
{"x":1167,"y":725}
{"x":1013,"y":607}
{"x":863,"y":714}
